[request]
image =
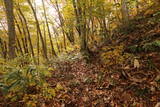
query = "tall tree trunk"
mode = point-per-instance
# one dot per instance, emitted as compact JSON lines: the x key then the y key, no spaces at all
{"x":11,"y":28}
{"x":117,"y":12}
{"x":125,"y":13}
{"x":20,"y":33}
{"x":28,"y":33}
{"x":81,"y":28}
{"x":44,"y":33}
{"x":39,"y":30}
{"x":25,"y":39}
{"x":2,"y":48}
{"x":18,"y":41}
{"x":61,"y":22}
{"x":38,"y":48}
{"x":137,"y":6}
{"x":56,"y":37}
{"x":5,"y":49}
{"x":49,"y":33}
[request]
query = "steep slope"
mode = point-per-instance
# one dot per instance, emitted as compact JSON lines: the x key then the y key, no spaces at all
{"x":117,"y":75}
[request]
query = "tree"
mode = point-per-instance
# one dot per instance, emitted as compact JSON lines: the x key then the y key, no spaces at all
{"x":81,"y":21}
{"x":49,"y":33}
{"x":125,"y":14}
{"x":39,"y":30}
{"x":28,"y":32}
{"x":11,"y":28}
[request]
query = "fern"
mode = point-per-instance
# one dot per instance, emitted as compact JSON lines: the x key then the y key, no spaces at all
{"x":17,"y":81}
{"x":151,"y":46}
{"x":147,"y":47}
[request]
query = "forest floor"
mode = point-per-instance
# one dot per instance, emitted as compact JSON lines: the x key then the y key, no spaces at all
{"x":114,"y":77}
{"x":96,"y":84}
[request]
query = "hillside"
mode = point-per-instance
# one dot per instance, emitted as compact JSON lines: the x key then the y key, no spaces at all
{"x":80,"y":53}
{"x":121,"y":75}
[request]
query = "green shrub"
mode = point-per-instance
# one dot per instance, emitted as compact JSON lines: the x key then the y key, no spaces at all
{"x":25,"y":83}
{"x":147,"y":47}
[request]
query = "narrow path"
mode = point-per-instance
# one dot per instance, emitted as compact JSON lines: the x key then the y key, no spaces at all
{"x":92,"y":84}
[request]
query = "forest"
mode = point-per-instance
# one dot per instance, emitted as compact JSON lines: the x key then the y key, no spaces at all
{"x":79,"y":53}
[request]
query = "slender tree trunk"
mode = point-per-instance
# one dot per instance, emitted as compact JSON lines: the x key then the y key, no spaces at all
{"x":117,"y":12}
{"x":25,"y":39}
{"x":5,"y":49}
{"x":61,"y":23}
{"x":49,"y":33}
{"x":18,"y":41}
{"x":38,"y":50}
{"x":81,"y":28}
{"x":19,"y":45}
{"x":77,"y":16}
{"x":39,"y":30}
{"x":24,"y":45}
{"x":56,"y":38}
{"x":137,"y":6}
{"x":125,"y":13}
{"x":28,"y":33}
{"x":2,"y":48}
{"x":67,"y":35}
{"x":44,"y":33}
{"x":11,"y":28}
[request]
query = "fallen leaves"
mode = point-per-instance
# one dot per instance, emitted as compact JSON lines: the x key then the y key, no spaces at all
{"x":59,"y":87}
{"x":158,"y":104}
{"x":99,"y":84}
{"x":136,"y":63}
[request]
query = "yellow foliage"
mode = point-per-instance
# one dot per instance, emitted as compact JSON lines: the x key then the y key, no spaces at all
{"x":51,"y":69}
{"x":30,"y":100}
{"x":49,"y":93}
{"x":59,"y":87}
{"x":113,"y":55}
{"x":31,"y":104}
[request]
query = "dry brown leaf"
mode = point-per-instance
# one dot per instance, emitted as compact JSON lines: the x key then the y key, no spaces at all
{"x":153,"y":89}
{"x":126,"y":96}
{"x":85,"y":99}
{"x":127,"y":67}
{"x":136,"y":63}
{"x":158,"y":104}
{"x":43,"y":105}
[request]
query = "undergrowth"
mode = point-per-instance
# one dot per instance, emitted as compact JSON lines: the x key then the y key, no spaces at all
{"x":146,"y":47}
{"x":115,"y":56}
{"x":22,"y":81}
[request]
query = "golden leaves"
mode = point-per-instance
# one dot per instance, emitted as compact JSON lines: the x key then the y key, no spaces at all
{"x":113,"y":55}
{"x":59,"y":87}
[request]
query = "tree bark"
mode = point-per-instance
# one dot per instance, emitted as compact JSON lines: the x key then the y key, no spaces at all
{"x":25,"y":38}
{"x":28,"y":33}
{"x":81,"y":28}
{"x":56,"y":37}
{"x":125,"y":13}
{"x":49,"y":33}
{"x":39,"y":30}
{"x":11,"y":28}
{"x":61,"y":23}
{"x":18,"y":41}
